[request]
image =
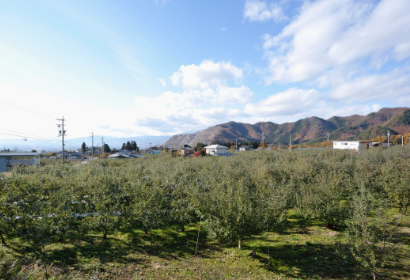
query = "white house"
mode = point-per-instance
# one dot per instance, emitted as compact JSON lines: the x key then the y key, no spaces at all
{"x":350,"y":145}
{"x":216,"y":150}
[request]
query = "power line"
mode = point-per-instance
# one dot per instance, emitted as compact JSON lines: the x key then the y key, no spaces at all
{"x":26,"y":109}
{"x":34,"y":137}
{"x":26,"y":134}
{"x":45,"y":138}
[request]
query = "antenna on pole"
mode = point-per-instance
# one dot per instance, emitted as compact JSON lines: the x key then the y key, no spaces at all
{"x":92,"y":145}
{"x":62,"y":132}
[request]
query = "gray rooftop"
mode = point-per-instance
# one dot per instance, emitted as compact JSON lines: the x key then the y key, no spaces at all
{"x":18,"y":154}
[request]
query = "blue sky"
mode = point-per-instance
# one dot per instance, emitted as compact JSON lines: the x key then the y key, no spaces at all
{"x":142,"y":67}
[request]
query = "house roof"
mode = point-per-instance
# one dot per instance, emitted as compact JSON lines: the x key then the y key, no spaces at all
{"x":216,"y":147}
{"x":361,"y":141}
{"x":18,"y":154}
{"x":119,"y":156}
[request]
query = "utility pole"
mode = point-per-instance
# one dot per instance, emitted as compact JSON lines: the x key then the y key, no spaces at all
{"x":62,"y":134}
{"x":402,"y":140}
{"x":328,"y":137}
{"x":236,"y":144}
{"x":290,"y":142}
{"x":388,"y":138}
{"x":92,"y":145}
{"x":150,"y":147}
{"x":102,"y":144}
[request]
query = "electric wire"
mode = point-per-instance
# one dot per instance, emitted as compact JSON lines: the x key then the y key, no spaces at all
{"x":17,"y":106}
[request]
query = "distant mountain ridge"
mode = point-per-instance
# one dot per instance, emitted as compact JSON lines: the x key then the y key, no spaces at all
{"x":312,"y":129}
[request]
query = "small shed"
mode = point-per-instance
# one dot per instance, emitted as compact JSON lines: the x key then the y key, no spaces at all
{"x":243,"y":148}
{"x":216,"y":150}
{"x":12,"y":159}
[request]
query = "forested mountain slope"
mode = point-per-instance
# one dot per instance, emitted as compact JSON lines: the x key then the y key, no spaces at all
{"x":312,"y":129}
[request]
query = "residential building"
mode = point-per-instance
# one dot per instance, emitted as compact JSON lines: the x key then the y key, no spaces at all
{"x":124,"y":152}
{"x":351,"y":145}
{"x":216,"y":150}
{"x":187,"y":150}
{"x":66,"y":154}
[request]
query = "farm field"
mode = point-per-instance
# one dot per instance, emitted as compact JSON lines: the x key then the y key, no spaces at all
{"x":322,"y":214}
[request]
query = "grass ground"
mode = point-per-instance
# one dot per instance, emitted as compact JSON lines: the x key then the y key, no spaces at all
{"x":302,"y":249}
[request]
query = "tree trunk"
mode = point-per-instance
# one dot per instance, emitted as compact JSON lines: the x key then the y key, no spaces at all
{"x":2,"y":238}
{"x":182,"y":228}
{"x":60,"y":238}
{"x":105,"y":234}
{"x":240,"y":244}
{"x":374,"y":276}
{"x":145,"y":231}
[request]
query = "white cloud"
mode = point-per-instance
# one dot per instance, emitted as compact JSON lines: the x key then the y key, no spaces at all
{"x":386,"y":86}
{"x":207,"y":74}
{"x":223,"y":29}
{"x":163,"y":83}
{"x":205,"y":91}
{"x":403,"y":101}
{"x":190,"y":109}
{"x":240,"y":94}
{"x":331,"y":34}
{"x":255,"y":10}
{"x":284,"y":103}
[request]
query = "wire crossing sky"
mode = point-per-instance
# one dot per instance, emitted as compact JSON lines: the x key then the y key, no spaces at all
{"x":162,"y":67}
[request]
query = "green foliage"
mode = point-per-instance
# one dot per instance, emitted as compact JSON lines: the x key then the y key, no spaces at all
{"x":8,"y":267}
{"x":395,"y":180}
{"x":236,"y":207}
{"x":370,"y":240}
{"x":107,"y":148}
{"x":83,"y":147}
{"x":235,"y":197}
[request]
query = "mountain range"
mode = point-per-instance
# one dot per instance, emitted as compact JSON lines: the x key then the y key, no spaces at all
{"x":313,"y":129}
